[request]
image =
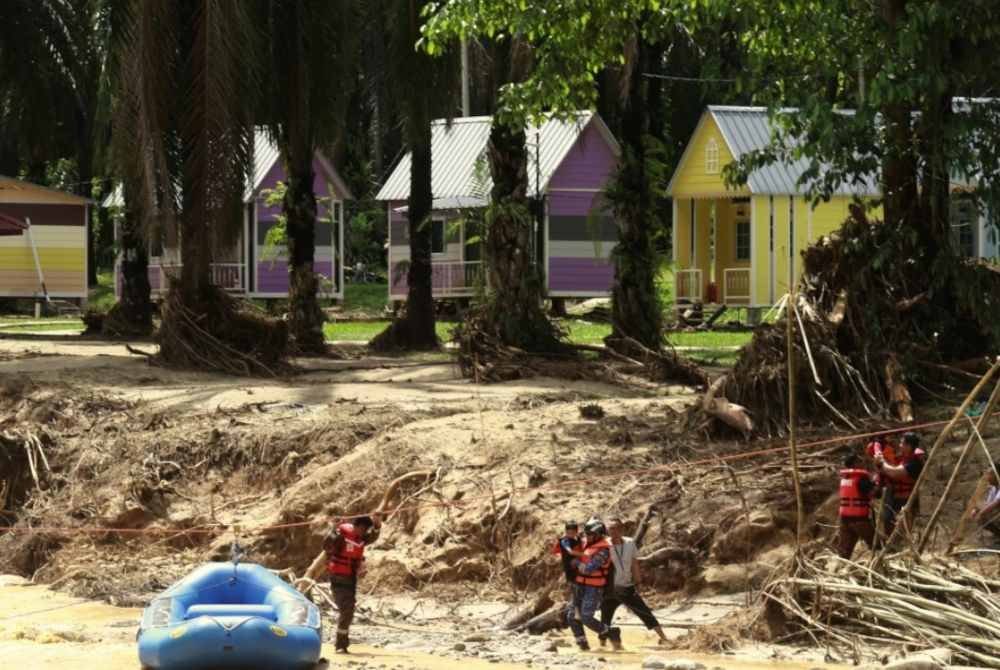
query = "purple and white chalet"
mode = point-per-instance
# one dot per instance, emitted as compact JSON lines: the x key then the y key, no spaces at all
{"x":569,"y":164}
{"x":251,"y":267}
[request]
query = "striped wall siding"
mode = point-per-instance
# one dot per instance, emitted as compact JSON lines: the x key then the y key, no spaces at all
{"x":588,"y":164}
{"x":272,"y":277}
{"x":580,"y":275}
{"x":582,"y":235}
{"x":61,"y":253}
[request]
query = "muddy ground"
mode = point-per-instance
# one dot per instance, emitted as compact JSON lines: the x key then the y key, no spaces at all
{"x":118,"y":444}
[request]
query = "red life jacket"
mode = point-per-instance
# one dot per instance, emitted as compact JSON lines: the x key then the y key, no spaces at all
{"x":853,"y":503}
{"x":902,"y":488}
{"x":598,"y":577}
{"x":344,"y":562}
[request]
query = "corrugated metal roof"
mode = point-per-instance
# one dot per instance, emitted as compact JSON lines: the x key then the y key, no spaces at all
{"x":265,"y":154}
{"x":459,"y":167}
{"x":747,"y":129}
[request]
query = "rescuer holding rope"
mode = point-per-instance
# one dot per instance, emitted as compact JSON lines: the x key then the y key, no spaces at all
{"x":345,"y":554}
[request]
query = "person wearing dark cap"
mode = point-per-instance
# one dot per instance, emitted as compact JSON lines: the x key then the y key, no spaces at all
{"x":345,"y":553}
{"x":569,"y":547}
{"x":900,"y":478}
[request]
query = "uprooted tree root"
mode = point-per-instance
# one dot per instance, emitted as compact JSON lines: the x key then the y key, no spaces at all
{"x":873,"y":322}
{"x":222,"y":334}
{"x":484,"y":356}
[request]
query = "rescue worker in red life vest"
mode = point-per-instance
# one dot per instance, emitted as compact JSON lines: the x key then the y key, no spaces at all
{"x":592,"y":570}
{"x":900,"y":478}
{"x":345,"y":553}
{"x":856,"y":490}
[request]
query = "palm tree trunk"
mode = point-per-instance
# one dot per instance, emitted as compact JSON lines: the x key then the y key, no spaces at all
{"x":635,"y":307}
{"x":134,"y":306}
{"x":305,"y":316}
{"x":419,"y":297}
{"x":514,"y":310}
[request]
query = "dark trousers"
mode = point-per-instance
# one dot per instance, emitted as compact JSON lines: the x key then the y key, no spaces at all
{"x":852,"y":530}
{"x":345,"y":598}
{"x":580,"y":613}
{"x":630,"y":598}
{"x":891,"y":507}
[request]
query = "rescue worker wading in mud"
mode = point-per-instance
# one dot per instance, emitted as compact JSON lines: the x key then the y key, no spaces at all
{"x":345,"y":554}
{"x":592,"y":569}
{"x":624,"y":589}
{"x":856,"y":489}
{"x":900,"y":477}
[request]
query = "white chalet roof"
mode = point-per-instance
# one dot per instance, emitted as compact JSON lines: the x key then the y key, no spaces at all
{"x":459,"y":168}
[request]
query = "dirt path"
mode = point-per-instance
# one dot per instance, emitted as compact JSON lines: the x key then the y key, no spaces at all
{"x":109,"y":367}
{"x":40,"y":629}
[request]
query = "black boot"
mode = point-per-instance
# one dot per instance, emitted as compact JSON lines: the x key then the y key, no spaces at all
{"x":582,"y":643}
{"x":341,"y":643}
{"x":615,"y":635}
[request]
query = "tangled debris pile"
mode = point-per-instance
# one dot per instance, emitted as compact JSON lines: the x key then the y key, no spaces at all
{"x":873,"y":327}
{"x":936,"y":602}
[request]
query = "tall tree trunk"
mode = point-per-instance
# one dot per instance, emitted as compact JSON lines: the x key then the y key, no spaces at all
{"x":134,"y":305}
{"x":899,"y":169}
{"x":84,"y":188}
{"x":514,"y":311}
{"x":415,"y":329}
{"x":635,"y":307}
{"x":305,"y":320}
{"x":196,"y":252}
{"x":419,"y":296}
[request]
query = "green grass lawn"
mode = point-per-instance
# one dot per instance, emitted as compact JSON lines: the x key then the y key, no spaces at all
{"x":102,"y":298}
{"x":368,"y":298}
{"x":41,"y":326}
{"x":362,"y":331}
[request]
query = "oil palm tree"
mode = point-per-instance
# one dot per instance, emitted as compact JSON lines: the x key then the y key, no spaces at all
{"x":53,"y":54}
{"x":418,"y":80}
{"x":188,"y":131}
{"x":312,"y":49}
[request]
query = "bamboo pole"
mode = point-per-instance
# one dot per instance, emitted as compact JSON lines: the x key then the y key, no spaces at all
{"x":973,"y":394}
{"x":790,"y":314}
{"x":980,"y":424}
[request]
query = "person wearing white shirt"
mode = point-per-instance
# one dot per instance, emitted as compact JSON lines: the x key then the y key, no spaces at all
{"x":627,"y":579}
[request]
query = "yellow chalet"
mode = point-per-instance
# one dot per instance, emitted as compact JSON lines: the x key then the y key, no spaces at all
{"x":734,"y":246}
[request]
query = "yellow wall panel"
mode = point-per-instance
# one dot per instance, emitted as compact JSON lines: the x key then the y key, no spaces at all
{"x":703,"y":247}
{"x":761,"y":250}
{"x":50,"y":259}
{"x":682,"y":230}
{"x":692,"y":178}
{"x":782,"y":245}
{"x":828,"y":216}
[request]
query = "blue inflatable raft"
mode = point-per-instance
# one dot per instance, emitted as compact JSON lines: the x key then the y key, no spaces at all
{"x":230,"y":615}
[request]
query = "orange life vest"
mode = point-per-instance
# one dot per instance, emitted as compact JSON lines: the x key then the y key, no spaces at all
{"x":598,"y":577}
{"x":344,"y":562}
{"x":902,"y":488}
{"x":853,"y":503}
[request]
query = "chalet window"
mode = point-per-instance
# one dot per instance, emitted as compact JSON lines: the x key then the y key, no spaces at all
{"x":742,"y":240}
{"x":712,"y":156}
{"x":963,"y":226}
{"x":437,"y":236}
